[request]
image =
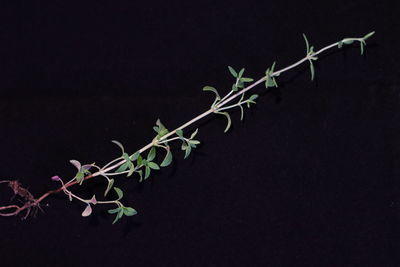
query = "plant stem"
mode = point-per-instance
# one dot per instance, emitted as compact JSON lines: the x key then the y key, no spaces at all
{"x":215,"y":108}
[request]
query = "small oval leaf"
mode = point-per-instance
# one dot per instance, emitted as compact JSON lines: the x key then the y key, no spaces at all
{"x":167,"y":160}
{"x":152,"y":154}
{"x":109,"y":186}
{"x":194,"y":133}
{"x":212,"y":89}
{"x":179,"y":133}
{"x":119,"y":144}
{"x":153,"y":165}
{"x":87,"y":211}
{"x":129,"y":211}
{"x":76,"y":163}
{"x":119,"y":192}
{"x":232,"y":71}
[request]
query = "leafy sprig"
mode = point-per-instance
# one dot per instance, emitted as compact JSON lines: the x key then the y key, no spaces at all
{"x":311,"y":56}
{"x":269,"y":77}
{"x":129,"y":164}
{"x":361,"y":40}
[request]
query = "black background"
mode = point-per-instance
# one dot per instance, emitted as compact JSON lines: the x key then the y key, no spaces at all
{"x":310,"y":178}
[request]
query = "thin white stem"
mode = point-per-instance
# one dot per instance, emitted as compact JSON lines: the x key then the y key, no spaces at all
{"x":115,"y":173}
{"x":109,"y":202}
{"x":169,"y":140}
{"x":227,"y":95}
{"x":232,"y":106}
{"x":111,"y":162}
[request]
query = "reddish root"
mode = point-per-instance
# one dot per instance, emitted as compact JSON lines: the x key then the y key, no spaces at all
{"x":30,"y":204}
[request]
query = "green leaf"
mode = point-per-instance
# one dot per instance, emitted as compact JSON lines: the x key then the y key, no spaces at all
{"x":147,"y":172}
{"x":129,"y":211}
{"x":160,"y":125}
{"x":251,"y":100}
{"x":120,"y":213}
{"x":362,"y":47}
{"x":184,"y":145}
{"x":240,"y":73}
{"x":253,"y":97}
{"x":368,"y":35}
{"x":79,"y":177}
{"x":312,"y":70}
{"x":123,"y":167}
{"x":212,"y":89}
{"x":131,"y":169}
{"x":247,"y":80}
{"x":109,"y":186}
{"x":241,"y":112}
{"x":194,"y":133}
{"x":162,"y":132}
{"x":116,"y":219}
{"x":234,"y":88}
{"x":187,"y":151}
{"x":119,"y":192}
{"x":135,"y":156}
{"x":140,"y":172}
{"x":228,"y":117}
{"x":160,"y":129}
{"x":154,"y":166}
{"x":195,"y":142}
{"x":347,"y":41}
{"x":179,"y":133}
{"x":340,"y":44}
{"x":167,"y":160}
{"x":272,"y":68}
{"x":119,"y":144}
{"x":139,"y":160}
{"x":152,"y":154}
{"x":125,"y":156}
{"x":112,"y":211}
{"x":270,"y":82}
{"x":232,"y":71}
{"x":307,"y":44}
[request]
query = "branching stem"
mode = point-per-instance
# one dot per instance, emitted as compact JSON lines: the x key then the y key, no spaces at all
{"x":220,"y":105}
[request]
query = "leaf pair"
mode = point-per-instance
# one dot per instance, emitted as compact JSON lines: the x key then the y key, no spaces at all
{"x":250,"y":100}
{"x":83,"y":170}
{"x":149,"y":164}
{"x":121,"y":210}
{"x":310,"y":55}
{"x":361,"y":40}
{"x":188,"y":143}
{"x":217,"y":96}
{"x":160,"y":129}
{"x":240,"y":80}
{"x":168,"y":157}
{"x":270,"y":79}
